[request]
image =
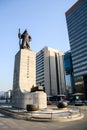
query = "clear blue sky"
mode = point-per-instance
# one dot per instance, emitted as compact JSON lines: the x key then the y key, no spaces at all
{"x":45,"y":22}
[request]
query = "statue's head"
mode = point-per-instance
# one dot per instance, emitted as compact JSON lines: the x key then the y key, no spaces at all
{"x":25,"y":31}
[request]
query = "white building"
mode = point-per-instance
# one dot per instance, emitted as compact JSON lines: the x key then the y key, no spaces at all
{"x":50,"y":71}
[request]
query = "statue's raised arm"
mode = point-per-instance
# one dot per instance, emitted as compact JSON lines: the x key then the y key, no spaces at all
{"x":26,"y":38}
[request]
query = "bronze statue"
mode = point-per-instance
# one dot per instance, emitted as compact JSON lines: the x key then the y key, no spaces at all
{"x":26,"y":38}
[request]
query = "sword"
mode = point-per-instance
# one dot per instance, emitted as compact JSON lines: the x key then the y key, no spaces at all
{"x":19,"y":35}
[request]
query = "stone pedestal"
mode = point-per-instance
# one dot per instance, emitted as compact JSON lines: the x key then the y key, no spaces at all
{"x":24,"y":70}
{"x":24,"y":75}
{"x":25,"y":79}
{"x":39,"y":98}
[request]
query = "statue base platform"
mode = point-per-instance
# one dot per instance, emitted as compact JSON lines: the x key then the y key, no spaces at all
{"x":23,"y":99}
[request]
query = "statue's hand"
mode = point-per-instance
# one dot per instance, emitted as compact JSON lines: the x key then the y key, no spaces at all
{"x":19,"y":35}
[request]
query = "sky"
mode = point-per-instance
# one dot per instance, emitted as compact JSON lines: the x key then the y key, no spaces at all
{"x":45,"y":22}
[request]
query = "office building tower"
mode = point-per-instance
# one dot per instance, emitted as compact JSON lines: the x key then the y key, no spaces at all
{"x":50,"y":71}
{"x":76,"y":18}
{"x":69,"y":73}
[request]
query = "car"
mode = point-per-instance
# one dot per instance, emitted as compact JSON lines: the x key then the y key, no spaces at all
{"x":79,"y":103}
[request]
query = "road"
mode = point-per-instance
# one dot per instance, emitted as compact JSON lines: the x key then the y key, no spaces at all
{"x":9,"y":123}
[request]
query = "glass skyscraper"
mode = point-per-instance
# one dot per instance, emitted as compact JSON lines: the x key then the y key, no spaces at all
{"x":68,"y":73}
{"x":76,"y":18}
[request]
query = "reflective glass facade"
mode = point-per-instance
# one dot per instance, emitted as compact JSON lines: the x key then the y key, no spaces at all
{"x":76,"y":18}
{"x":68,"y":62}
{"x":69,"y":72}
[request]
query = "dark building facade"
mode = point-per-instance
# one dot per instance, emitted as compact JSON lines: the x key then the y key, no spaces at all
{"x":76,"y":18}
{"x":69,"y":73}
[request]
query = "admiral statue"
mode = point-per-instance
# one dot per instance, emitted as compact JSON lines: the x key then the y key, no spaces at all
{"x":26,"y":38}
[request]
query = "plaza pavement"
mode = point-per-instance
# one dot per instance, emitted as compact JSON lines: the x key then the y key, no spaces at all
{"x":9,"y":123}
